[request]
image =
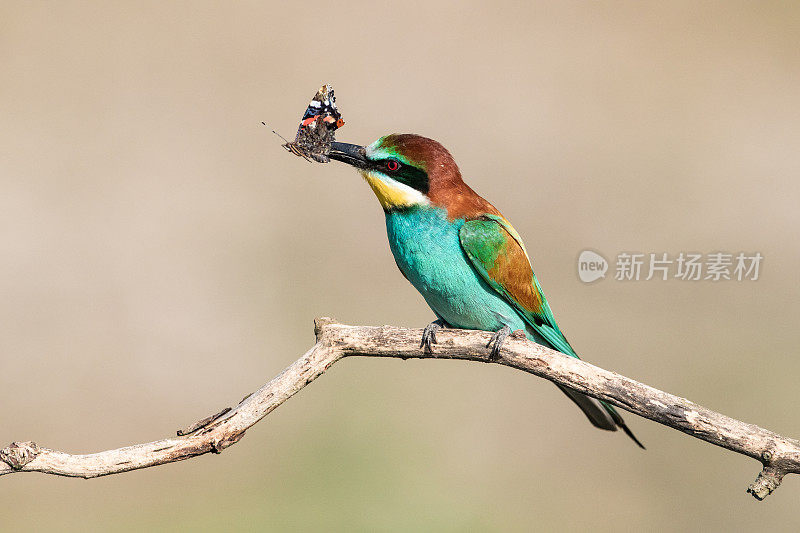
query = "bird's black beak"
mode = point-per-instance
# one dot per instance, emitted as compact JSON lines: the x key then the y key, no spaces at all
{"x":352,"y":154}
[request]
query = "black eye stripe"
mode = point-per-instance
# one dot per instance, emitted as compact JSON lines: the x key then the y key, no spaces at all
{"x":406,"y":174}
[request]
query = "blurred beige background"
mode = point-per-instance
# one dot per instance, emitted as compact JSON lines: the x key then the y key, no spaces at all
{"x":161,"y":256}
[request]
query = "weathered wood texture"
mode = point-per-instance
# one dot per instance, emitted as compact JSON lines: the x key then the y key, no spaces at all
{"x":778,"y":455}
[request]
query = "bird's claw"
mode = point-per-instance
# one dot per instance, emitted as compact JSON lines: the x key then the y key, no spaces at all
{"x":429,"y":335}
{"x":496,"y":342}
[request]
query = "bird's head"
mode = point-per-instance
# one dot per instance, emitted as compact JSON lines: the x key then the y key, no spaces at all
{"x":404,"y":170}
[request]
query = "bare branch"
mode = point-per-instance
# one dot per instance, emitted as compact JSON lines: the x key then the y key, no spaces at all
{"x":778,"y":455}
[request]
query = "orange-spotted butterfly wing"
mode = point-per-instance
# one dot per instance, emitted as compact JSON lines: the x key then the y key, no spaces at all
{"x":317,"y":128}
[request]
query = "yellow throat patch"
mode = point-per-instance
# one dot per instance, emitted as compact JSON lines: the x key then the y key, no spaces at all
{"x":392,"y":193}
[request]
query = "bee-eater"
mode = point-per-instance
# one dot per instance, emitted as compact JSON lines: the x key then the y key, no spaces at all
{"x":459,"y":252}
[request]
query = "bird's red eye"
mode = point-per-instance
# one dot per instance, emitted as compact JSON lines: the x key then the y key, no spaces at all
{"x":392,"y":165}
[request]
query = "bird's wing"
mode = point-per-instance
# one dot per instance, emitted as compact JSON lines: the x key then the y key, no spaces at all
{"x":497,"y":253}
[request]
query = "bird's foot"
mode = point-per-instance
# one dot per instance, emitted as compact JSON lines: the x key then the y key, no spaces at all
{"x":429,"y":335}
{"x":496,"y":342}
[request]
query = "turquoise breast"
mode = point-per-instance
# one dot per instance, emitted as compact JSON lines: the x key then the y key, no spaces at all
{"x":426,"y":247}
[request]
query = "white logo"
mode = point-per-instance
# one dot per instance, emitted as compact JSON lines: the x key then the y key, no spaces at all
{"x":686,"y":266}
{"x":591,"y":266}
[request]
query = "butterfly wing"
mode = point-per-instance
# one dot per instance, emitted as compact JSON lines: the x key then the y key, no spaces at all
{"x":318,"y":127}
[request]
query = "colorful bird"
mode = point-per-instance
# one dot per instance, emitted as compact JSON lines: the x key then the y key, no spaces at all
{"x":459,"y":252}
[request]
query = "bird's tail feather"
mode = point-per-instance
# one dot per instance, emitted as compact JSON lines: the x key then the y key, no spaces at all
{"x":599,"y":413}
{"x":621,"y":423}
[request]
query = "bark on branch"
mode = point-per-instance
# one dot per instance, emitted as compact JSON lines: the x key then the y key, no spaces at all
{"x":778,"y":455}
